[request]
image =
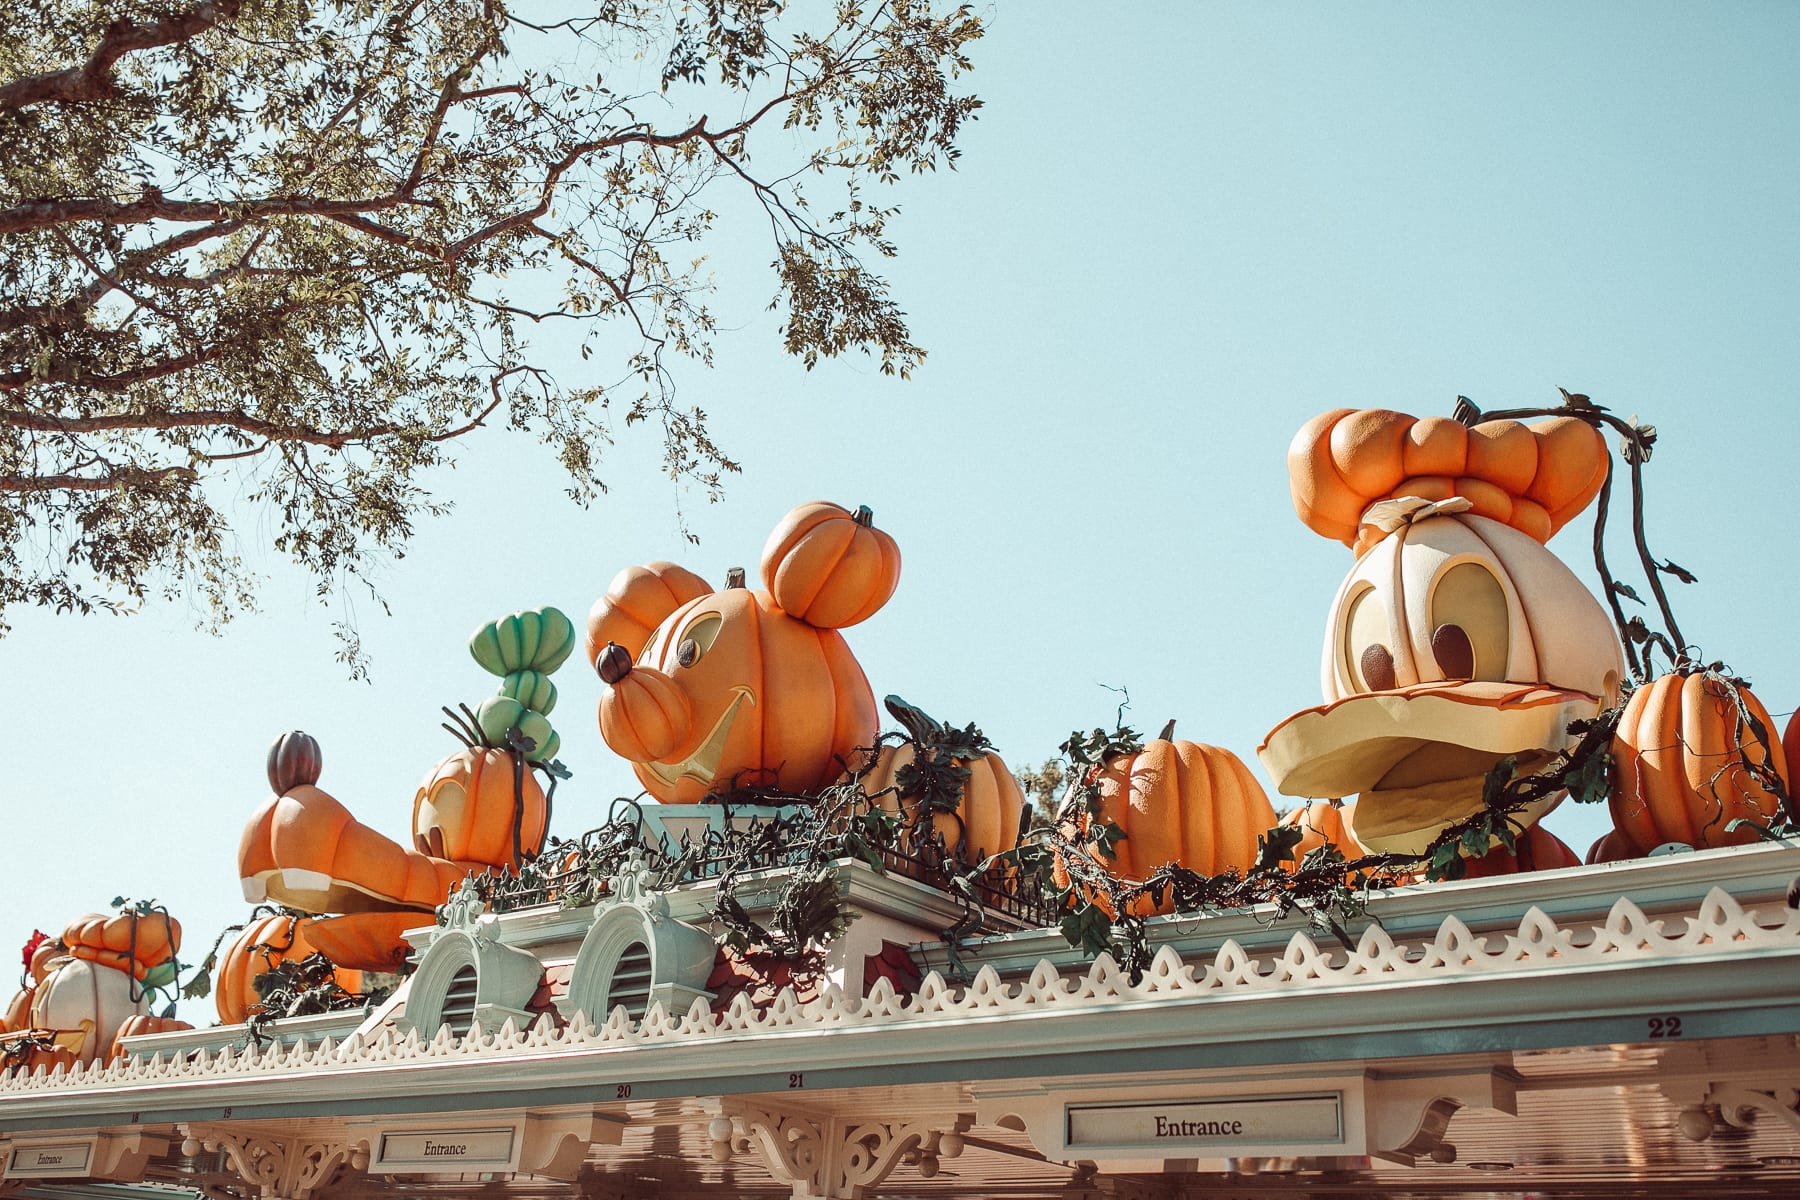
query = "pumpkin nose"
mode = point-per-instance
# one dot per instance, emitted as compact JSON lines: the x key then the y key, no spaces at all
{"x":645,"y":716}
{"x":613,"y":663}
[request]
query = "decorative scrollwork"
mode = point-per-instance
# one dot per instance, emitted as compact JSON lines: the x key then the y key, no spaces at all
{"x":1739,"y":1105}
{"x":830,"y":1158}
{"x":278,"y":1167}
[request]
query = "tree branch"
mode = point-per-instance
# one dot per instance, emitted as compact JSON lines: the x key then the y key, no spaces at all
{"x":115,"y":476}
{"x":93,"y":80}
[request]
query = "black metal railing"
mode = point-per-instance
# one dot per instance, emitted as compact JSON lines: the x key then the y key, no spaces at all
{"x":578,"y":871}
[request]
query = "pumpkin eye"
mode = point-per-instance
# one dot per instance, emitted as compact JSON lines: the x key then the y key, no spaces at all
{"x":1377,"y":667}
{"x":1470,"y":623}
{"x":1454,"y":652}
{"x":1367,"y":661}
{"x":698,"y":639}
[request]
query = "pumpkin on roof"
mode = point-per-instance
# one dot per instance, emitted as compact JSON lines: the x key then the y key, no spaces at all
{"x":705,"y":691}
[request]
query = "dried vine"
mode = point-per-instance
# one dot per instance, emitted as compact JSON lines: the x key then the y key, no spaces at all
{"x":811,"y":835}
{"x":1636,"y":441}
{"x":300,"y":988}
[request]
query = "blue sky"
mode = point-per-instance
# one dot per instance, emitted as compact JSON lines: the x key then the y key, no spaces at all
{"x":1176,"y":234}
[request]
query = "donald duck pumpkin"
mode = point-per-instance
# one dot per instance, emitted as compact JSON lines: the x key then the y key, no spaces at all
{"x":1457,"y":640}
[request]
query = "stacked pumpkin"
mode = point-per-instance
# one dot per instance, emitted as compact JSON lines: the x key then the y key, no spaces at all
{"x":523,"y":649}
{"x":90,"y":988}
{"x":478,"y":809}
{"x":706,"y":691}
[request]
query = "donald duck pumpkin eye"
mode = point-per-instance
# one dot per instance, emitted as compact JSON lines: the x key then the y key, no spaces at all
{"x":1470,"y":623}
{"x":1367,"y":661}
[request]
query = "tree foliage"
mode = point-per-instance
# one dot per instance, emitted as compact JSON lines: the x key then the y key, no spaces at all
{"x":290,"y":251}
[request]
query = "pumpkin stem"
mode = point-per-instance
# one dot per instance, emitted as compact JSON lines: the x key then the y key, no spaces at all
{"x":914,"y":720}
{"x":466,"y":730}
{"x":734,"y":578}
{"x":1466,"y":412}
{"x":613,"y":663}
{"x":864,"y":516}
{"x":1168,"y":732}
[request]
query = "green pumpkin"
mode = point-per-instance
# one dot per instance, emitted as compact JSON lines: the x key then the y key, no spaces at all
{"x":531,"y":689}
{"x":536,"y":640}
{"x":500,"y":714}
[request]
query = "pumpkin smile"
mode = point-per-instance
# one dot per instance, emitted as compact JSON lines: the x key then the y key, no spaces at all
{"x":1417,"y":757}
{"x":703,"y":763}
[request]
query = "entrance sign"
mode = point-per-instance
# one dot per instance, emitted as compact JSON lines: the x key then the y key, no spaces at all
{"x":72,"y":1158}
{"x":449,"y":1150}
{"x":1123,"y":1122}
{"x":1209,"y":1128}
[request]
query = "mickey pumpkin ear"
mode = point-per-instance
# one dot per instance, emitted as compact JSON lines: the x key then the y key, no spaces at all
{"x":636,"y":602}
{"x":830,"y":567}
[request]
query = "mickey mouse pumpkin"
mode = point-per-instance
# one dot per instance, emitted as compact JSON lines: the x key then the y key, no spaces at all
{"x":1457,"y":640}
{"x":708,"y":690}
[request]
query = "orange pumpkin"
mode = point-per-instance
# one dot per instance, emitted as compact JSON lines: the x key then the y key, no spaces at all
{"x":48,"y":951}
{"x":1790,"y":742}
{"x":17,"y":1017}
{"x":1533,"y":477}
{"x":305,"y":850}
{"x":256,"y":950}
{"x":1180,"y":802}
{"x":1324,"y":824}
{"x":126,"y":941}
{"x":1537,"y":850}
{"x":467,"y":809}
{"x":142,"y":1024}
{"x":986,"y":820}
{"x":636,"y":602}
{"x":830,"y":567}
{"x":1611,"y":847}
{"x":41,"y":1056}
{"x":651,"y":715}
{"x":770,"y":700}
{"x":1676,"y":770}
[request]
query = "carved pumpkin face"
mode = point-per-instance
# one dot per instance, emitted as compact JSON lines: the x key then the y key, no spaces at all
{"x":467,"y":809}
{"x":1455,"y":642}
{"x":732,"y":688}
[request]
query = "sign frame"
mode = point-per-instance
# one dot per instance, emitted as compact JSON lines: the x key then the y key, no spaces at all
{"x":389,"y":1146}
{"x":1045,"y":1113}
{"x":87,"y":1147}
{"x":1206,"y":1144}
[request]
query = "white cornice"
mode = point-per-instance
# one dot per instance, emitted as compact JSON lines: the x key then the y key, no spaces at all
{"x":1596,"y":981}
{"x":1669,"y":883}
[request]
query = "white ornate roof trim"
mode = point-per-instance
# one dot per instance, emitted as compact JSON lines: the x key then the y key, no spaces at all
{"x":1720,"y":933}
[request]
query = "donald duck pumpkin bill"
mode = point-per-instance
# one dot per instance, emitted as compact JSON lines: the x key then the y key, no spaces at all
{"x":710,"y":690}
{"x":1457,"y":640}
